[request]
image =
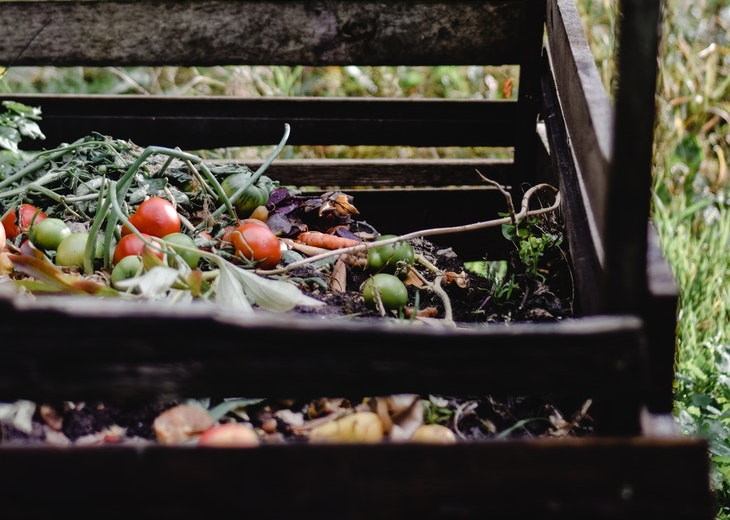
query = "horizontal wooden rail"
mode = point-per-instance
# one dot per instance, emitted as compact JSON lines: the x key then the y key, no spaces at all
{"x":218,"y":122}
{"x":301,"y":32}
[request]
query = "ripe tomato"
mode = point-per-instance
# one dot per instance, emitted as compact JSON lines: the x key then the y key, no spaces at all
{"x":130,"y":245}
{"x":156,"y":217}
{"x":19,"y":219}
{"x":257,"y":243}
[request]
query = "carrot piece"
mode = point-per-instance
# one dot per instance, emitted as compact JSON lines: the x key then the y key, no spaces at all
{"x":325,"y":240}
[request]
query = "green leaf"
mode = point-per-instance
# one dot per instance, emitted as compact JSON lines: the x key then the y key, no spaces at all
{"x":9,"y":138}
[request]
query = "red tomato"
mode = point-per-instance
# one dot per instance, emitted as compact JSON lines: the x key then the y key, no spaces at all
{"x":258,"y":243}
{"x":19,"y":219}
{"x":132,"y":245}
{"x":155,"y":216}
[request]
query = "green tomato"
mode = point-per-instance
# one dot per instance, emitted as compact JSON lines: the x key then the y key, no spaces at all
{"x":187,"y":243}
{"x":257,"y":194}
{"x":127,"y":267}
{"x":71,"y":250}
{"x":391,"y":290}
{"x":48,"y":233}
{"x":386,"y":258}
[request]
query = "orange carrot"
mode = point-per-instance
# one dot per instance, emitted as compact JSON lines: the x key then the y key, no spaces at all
{"x":325,"y":240}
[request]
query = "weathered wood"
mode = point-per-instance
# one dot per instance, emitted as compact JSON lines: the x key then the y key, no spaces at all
{"x":219,"y":122}
{"x":533,"y":24}
{"x":584,"y":105}
{"x":394,"y":173}
{"x":629,"y":187}
{"x":661,"y":307}
{"x":567,"y":479}
{"x":210,"y":32}
{"x":584,"y":244}
{"x":204,"y":354}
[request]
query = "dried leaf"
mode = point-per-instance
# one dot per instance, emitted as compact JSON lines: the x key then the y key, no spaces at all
{"x":181,"y":423}
{"x":338,"y":281}
{"x":51,"y":278}
{"x":19,"y":414}
{"x":267,"y":293}
{"x":153,"y":283}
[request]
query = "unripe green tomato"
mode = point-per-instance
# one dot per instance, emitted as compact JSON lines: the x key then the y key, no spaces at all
{"x":392,"y":291}
{"x":181,"y":239}
{"x":48,"y":233}
{"x":386,"y":258}
{"x":127,"y":267}
{"x":71,"y":250}
{"x":257,"y":194}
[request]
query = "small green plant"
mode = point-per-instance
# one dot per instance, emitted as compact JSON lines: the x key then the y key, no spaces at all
{"x":532,"y":244}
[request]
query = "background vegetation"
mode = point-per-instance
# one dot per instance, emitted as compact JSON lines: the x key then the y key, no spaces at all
{"x":691,"y":185}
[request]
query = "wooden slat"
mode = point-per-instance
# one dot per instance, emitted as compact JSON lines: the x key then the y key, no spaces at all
{"x":568,"y":479}
{"x":388,"y":173}
{"x":584,"y":244}
{"x":211,"y":351}
{"x":629,"y":190}
{"x":218,"y":122}
{"x":660,"y":308}
{"x":583,"y":103}
{"x":210,"y":32}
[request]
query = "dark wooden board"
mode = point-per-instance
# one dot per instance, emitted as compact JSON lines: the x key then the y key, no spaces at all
{"x":113,"y":350}
{"x":210,"y":32}
{"x":219,"y":122}
{"x":584,"y":105}
{"x":568,"y":479}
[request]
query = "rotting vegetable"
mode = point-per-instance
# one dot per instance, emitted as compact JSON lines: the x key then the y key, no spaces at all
{"x":199,"y":236}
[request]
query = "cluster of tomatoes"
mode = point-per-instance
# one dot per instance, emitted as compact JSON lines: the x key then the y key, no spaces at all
{"x":159,"y":232}
{"x":156,"y":220}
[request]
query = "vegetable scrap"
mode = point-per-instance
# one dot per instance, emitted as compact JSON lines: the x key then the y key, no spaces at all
{"x":249,"y":423}
{"x":106,"y":217}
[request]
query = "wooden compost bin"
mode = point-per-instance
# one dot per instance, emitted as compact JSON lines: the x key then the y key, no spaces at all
{"x":618,"y":349}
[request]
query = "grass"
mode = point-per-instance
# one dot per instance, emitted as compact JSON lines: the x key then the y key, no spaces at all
{"x":691,"y":177}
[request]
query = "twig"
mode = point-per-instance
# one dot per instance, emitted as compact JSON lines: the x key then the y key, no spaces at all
{"x":512,"y":219}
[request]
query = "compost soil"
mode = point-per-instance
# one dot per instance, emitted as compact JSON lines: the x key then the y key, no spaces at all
{"x":471,"y":300}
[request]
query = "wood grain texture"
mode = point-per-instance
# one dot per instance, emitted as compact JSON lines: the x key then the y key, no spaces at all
{"x":211,"y":32}
{"x":584,"y":105}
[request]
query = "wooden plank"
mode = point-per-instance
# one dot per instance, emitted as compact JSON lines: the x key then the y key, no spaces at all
{"x":203,"y":354}
{"x":584,"y":244}
{"x":566,"y":479}
{"x":217,"y":32}
{"x":629,"y":189}
{"x":584,"y":104}
{"x":661,"y":321}
{"x":356,"y":174}
{"x":533,"y":24}
{"x":208,"y":122}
